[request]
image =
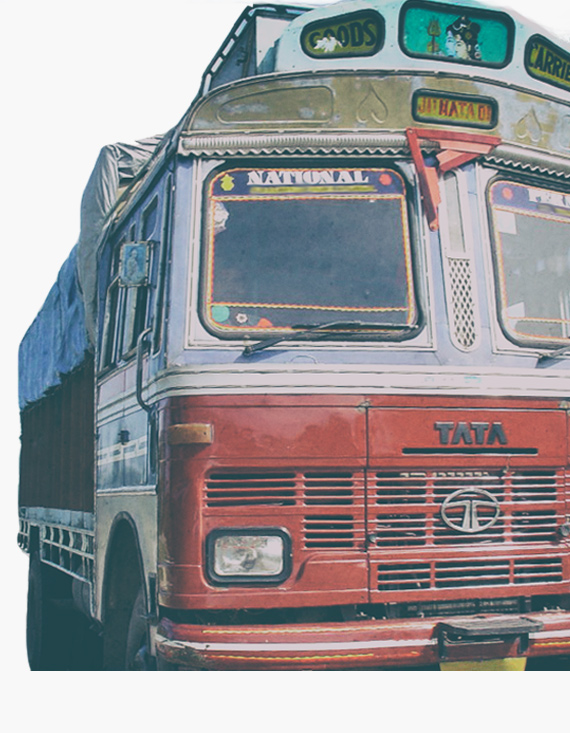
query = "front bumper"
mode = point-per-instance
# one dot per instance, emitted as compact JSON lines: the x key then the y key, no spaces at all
{"x":368,"y":644}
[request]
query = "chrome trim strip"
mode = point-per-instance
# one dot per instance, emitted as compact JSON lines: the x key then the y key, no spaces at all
{"x":288,"y":647}
{"x":239,"y":144}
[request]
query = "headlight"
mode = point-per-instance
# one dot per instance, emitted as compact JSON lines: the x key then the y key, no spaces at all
{"x":248,"y":555}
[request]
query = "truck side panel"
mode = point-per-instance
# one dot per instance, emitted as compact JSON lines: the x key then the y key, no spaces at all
{"x":57,"y":455}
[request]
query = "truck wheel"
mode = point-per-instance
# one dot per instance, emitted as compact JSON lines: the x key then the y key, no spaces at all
{"x":39,"y":619}
{"x":136,"y":657}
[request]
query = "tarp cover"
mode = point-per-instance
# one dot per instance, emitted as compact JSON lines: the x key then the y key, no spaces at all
{"x":65,"y":328}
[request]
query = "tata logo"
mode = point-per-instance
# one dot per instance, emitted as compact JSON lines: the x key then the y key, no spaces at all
{"x":470,"y":433}
{"x":470,"y":511}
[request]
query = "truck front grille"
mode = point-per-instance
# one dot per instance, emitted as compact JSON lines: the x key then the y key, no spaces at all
{"x":344,"y":510}
{"x":406,"y":507}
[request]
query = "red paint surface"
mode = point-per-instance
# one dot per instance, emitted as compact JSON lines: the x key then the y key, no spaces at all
{"x":275,"y":446}
{"x":350,"y":645}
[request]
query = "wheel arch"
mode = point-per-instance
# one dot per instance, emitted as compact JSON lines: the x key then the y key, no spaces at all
{"x":123,"y":576}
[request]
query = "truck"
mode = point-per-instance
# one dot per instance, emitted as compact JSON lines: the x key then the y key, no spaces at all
{"x":300,"y":396}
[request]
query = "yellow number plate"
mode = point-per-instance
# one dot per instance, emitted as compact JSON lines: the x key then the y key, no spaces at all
{"x":514,"y":664}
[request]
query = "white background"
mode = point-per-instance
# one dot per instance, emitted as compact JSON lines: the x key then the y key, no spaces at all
{"x":76,"y":76}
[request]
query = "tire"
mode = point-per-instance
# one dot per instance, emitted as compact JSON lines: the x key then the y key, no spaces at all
{"x":136,"y":655}
{"x":85,"y":649}
{"x":57,"y":636}
{"x":41,"y":619}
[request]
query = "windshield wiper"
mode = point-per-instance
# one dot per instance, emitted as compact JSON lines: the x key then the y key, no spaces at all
{"x":554,"y":354}
{"x":303,"y":329}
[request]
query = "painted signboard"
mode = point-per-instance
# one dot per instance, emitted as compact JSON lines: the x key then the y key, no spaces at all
{"x":456,"y":33}
{"x":455,"y":109}
{"x":349,"y":35}
{"x":547,"y":62}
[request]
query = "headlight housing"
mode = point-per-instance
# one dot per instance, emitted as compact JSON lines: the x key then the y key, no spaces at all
{"x":248,"y":555}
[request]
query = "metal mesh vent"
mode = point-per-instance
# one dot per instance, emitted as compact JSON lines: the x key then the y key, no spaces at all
{"x":462,"y":305}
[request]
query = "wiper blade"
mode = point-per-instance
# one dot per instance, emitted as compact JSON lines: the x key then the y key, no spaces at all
{"x":303,"y":329}
{"x":554,"y":354}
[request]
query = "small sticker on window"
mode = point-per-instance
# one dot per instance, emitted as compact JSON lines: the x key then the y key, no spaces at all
{"x":506,"y":222}
{"x":516,"y":311}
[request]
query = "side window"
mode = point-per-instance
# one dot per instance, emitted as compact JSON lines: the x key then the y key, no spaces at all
{"x":112,"y":312}
{"x":530,"y":233}
{"x":136,"y":298}
{"x":127,"y":306}
{"x":163,"y":222}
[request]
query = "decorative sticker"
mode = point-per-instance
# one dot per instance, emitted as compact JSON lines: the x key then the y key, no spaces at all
{"x":354,"y":34}
{"x":299,"y":181}
{"x":455,"y":109}
{"x":456,"y":33}
{"x":547,"y":62}
{"x":134,"y":264}
{"x":538,"y":201}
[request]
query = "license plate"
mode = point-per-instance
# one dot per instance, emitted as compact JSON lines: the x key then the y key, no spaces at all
{"x":512,"y":664}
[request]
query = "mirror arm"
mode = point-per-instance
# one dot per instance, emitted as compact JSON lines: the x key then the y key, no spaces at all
{"x":140,"y":353}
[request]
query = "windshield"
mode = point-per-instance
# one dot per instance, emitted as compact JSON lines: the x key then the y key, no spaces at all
{"x":531,"y":228}
{"x":302,"y":247}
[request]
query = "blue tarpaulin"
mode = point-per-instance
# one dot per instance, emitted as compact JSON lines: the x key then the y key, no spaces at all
{"x":64,"y":329}
{"x":57,"y":340}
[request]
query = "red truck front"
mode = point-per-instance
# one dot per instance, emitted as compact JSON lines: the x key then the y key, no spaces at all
{"x":364,"y":429}
{"x":363,"y":532}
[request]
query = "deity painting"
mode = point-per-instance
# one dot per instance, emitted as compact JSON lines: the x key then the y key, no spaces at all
{"x":462,"y":40}
{"x":457,"y":34}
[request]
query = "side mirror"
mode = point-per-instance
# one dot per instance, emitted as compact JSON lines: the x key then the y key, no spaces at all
{"x":134,"y":264}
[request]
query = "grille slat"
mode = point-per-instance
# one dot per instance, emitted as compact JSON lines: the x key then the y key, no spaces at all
{"x":457,"y":574}
{"x":401,"y":530}
{"x":315,"y":499}
{"x":242,"y":488}
{"x":401,"y":577}
{"x":329,"y":531}
{"x":538,"y":570}
{"x":313,"y":488}
{"x":461,"y":574}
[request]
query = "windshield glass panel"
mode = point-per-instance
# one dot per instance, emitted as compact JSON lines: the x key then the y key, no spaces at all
{"x":288,"y":248}
{"x":531,"y":228}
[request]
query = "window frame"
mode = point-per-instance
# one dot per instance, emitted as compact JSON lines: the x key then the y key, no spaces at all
{"x":128,"y":308}
{"x":520,"y":340}
{"x":411,"y":229}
